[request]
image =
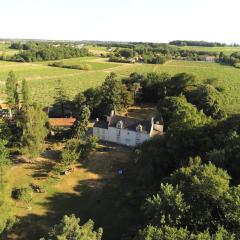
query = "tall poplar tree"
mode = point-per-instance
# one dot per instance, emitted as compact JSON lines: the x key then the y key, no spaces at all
{"x":12,"y":89}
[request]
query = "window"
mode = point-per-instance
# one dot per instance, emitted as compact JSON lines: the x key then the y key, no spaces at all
{"x":139,"y":128}
{"x":119,"y":124}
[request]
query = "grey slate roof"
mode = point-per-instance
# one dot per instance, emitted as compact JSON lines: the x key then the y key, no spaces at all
{"x":101,"y":124}
{"x":131,"y":123}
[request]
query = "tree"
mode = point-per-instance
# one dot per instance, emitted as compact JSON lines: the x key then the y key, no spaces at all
{"x":80,"y":100}
{"x":34,"y":130}
{"x":69,"y":228}
{"x":25,"y":194}
{"x":208,"y":98}
{"x":61,"y":96}
{"x":167,"y":207}
{"x":25,"y":94}
{"x":170,"y":233}
{"x":69,"y":157}
{"x":12,"y":89}
{"x":198,"y":198}
{"x":82,"y":121}
{"x":178,"y":114}
{"x":7,"y":219}
{"x":179,"y":83}
{"x":4,"y":162}
{"x":5,"y":131}
{"x":115,"y":93}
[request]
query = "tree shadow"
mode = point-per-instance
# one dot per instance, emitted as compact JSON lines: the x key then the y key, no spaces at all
{"x":111,"y":201}
{"x":41,"y":169}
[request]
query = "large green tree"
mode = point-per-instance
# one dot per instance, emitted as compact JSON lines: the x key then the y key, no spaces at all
{"x":34,"y":130}
{"x":82,"y":121}
{"x":178,"y":114}
{"x":199,"y":199}
{"x":115,"y":93}
{"x":69,"y":228}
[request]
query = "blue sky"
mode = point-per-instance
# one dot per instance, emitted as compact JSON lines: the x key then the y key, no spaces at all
{"x":121,"y":20}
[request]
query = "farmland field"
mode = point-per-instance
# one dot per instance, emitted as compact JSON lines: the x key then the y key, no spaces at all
{"x":226,"y":50}
{"x":5,"y":50}
{"x":42,"y":78}
{"x":98,"y":50}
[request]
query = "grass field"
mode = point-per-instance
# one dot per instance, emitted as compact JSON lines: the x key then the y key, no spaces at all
{"x":42,"y":78}
{"x":5,"y":50}
{"x":97,"y":50}
{"x":93,"y":191}
{"x":226,"y":50}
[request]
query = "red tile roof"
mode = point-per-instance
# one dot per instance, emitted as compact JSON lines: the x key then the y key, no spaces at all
{"x":61,"y":122}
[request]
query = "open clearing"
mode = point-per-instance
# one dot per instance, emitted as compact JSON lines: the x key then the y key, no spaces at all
{"x":93,"y":191}
{"x":5,"y":50}
{"x":42,"y":78}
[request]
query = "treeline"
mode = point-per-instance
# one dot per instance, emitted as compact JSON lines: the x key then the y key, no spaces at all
{"x":156,"y":54}
{"x":153,"y":88}
{"x":197,"y":43}
{"x":232,"y":60}
{"x":40,"y":51}
{"x":60,"y":64}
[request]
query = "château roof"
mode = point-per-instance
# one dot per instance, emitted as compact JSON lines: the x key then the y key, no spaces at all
{"x":128,"y":123}
{"x":131,"y":123}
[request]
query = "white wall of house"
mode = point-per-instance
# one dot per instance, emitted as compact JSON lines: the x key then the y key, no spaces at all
{"x":120,"y":136}
{"x":101,"y":133}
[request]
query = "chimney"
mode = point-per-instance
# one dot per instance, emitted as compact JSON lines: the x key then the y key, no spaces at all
{"x":152,"y":120}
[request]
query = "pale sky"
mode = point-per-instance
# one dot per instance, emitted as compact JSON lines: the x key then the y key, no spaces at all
{"x":121,"y":20}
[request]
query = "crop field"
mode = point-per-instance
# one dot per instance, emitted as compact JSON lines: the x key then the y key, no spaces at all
{"x":226,"y":50}
{"x":42,"y":78}
{"x":97,"y":49}
{"x":4,"y":49}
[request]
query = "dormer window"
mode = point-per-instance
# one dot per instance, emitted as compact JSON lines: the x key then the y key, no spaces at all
{"x":119,"y":124}
{"x":139,"y":128}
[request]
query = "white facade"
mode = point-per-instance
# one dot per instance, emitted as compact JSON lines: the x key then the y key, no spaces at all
{"x":125,"y":136}
{"x":120,"y":136}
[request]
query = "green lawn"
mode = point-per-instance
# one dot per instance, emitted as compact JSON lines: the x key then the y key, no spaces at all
{"x":42,"y":78}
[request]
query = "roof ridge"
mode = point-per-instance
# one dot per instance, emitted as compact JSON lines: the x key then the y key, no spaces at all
{"x":140,"y":119}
